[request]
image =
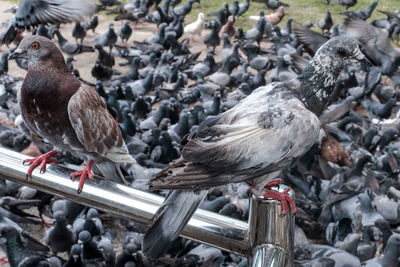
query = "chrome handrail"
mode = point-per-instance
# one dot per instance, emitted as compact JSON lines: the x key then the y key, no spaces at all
{"x":268,"y":236}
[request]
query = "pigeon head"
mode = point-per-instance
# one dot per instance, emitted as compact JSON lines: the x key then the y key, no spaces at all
{"x":84,"y":237}
{"x":7,"y":232}
{"x":36,"y":49}
{"x":339,"y":52}
{"x":59,"y":216}
{"x":76,"y":250}
{"x":131,"y":249}
{"x":319,"y":77}
{"x":92,"y":213}
{"x":200,"y":16}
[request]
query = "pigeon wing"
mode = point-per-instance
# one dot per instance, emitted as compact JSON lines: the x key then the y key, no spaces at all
{"x":262,"y":134}
{"x":34,"y":12}
{"x":311,"y":40}
{"x":233,"y":139}
{"x":94,"y":126}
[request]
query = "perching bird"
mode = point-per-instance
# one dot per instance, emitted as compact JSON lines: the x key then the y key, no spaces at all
{"x":77,"y":120}
{"x":34,"y":12}
{"x":280,"y":117}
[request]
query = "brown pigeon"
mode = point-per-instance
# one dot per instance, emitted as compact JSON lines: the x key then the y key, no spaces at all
{"x":67,"y":113}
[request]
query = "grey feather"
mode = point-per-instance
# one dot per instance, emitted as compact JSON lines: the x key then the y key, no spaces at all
{"x":170,"y":220}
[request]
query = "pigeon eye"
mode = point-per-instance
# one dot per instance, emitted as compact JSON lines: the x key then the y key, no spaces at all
{"x":341,"y":52}
{"x":35,"y":46}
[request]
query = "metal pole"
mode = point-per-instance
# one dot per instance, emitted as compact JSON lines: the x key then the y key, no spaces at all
{"x":273,"y":229}
{"x":207,"y":227}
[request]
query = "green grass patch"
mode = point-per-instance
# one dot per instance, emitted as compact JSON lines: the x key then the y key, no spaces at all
{"x":301,"y":10}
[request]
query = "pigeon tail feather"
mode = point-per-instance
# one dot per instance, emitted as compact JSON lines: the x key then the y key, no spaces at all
{"x":110,"y":170}
{"x":170,"y":219}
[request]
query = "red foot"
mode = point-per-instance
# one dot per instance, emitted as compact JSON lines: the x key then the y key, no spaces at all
{"x":4,"y":260}
{"x":83,"y":174}
{"x":45,"y":224}
{"x":41,"y":160}
{"x":282,"y":197}
{"x":273,"y":183}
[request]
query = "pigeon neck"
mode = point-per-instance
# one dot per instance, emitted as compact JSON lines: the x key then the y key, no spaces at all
{"x":318,"y":81}
{"x":61,"y":39}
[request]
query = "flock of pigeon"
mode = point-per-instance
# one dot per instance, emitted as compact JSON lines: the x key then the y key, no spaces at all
{"x":245,"y":107}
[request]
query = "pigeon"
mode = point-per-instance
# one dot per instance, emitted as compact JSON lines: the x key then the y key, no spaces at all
{"x":212,"y":39}
{"x":90,"y":251}
{"x":229,"y":27}
{"x":91,"y":24}
{"x":125,"y":32}
{"x":284,"y":121}
{"x":183,"y":10}
{"x":390,"y":254}
{"x":78,"y":32}
{"x":376,"y":44}
{"x":17,"y":251}
{"x":273,"y":18}
{"x":195,"y":28}
{"x":71,"y":48}
{"x":59,"y":238}
{"x":110,"y":2}
{"x":234,"y":8}
{"x":243,"y":7}
{"x":362,"y":14}
{"x":102,"y":72}
{"x":104,"y":57}
{"x":77,"y":107}
{"x":273,"y":4}
{"x":326,"y":23}
{"x":107,"y":39}
{"x":345,"y":3}
{"x":74,"y":259}
{"x":34,"y":12}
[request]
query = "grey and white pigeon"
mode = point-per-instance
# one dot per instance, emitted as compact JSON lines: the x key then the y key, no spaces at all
{"x":231,"y":147}
{"x":76,"y":121}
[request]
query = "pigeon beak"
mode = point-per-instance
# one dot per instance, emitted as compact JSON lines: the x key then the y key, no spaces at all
{"x":364,"y":61}
{"x":16,"y":54}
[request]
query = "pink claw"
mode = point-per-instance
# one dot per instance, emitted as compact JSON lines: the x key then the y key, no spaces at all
{"x":84,"y":174}
{"x":282,"y":197}
{"x":42,"y":160}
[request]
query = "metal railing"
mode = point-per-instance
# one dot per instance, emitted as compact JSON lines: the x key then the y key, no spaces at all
{"x":267,"y":239}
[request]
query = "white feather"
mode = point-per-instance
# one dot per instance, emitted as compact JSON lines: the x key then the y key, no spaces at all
{"x":195,"y":27}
